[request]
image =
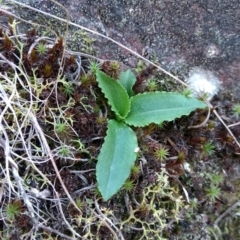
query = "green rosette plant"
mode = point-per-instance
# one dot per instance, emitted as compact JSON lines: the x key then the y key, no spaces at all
{"x":120,"y":147}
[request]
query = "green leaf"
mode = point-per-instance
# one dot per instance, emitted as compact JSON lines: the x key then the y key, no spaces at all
{"x":157,"y":107}
{"x":116,"y":158}
{"x":127,"y":79}
{"x":115,"y":93}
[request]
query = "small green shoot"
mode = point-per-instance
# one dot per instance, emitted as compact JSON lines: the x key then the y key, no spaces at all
{"x":140,"y":66}
{"x":208,"y":149}
{"x":213,"y":193}
{"x":79,"y":203}
{"x":236,"y":110}
{"x":68,"y":89}
{"x":61,"y":128}
{"x":152,"y":85}
{"x":216,"y":179}
{"x":12,"y":210}
{"x":101,"y":120}
{"x":193,"y":203}
{"x":41,"y":48}
{"x":128,"y":186}
{"x":85,"y":79}
{"x":161,"y":153}
{"x":94,"y":66}
{"x":64,"y":152}
{"x":135,"y":170}
{"x":187,"y":92}
{"x":160,"y":125}
{"x":115,"y":65}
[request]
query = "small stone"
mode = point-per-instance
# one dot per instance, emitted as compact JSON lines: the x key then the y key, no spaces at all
{"x":203,"y":82}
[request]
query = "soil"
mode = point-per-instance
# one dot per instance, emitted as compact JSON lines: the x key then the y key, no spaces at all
{"x":177,"y":35}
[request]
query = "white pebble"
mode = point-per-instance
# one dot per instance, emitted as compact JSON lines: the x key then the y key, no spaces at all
{"x":203,"y":82}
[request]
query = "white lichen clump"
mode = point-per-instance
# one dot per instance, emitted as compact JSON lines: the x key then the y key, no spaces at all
{"x":203,"y":83}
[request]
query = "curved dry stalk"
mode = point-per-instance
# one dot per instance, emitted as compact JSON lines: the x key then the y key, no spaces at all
{"x":225,"y":125}
{"x":225,"y":213}
{"x":49,"y":229}
{"x":106,"y":219}
{"x":204,"y":123}
{"x":234,"y":124}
